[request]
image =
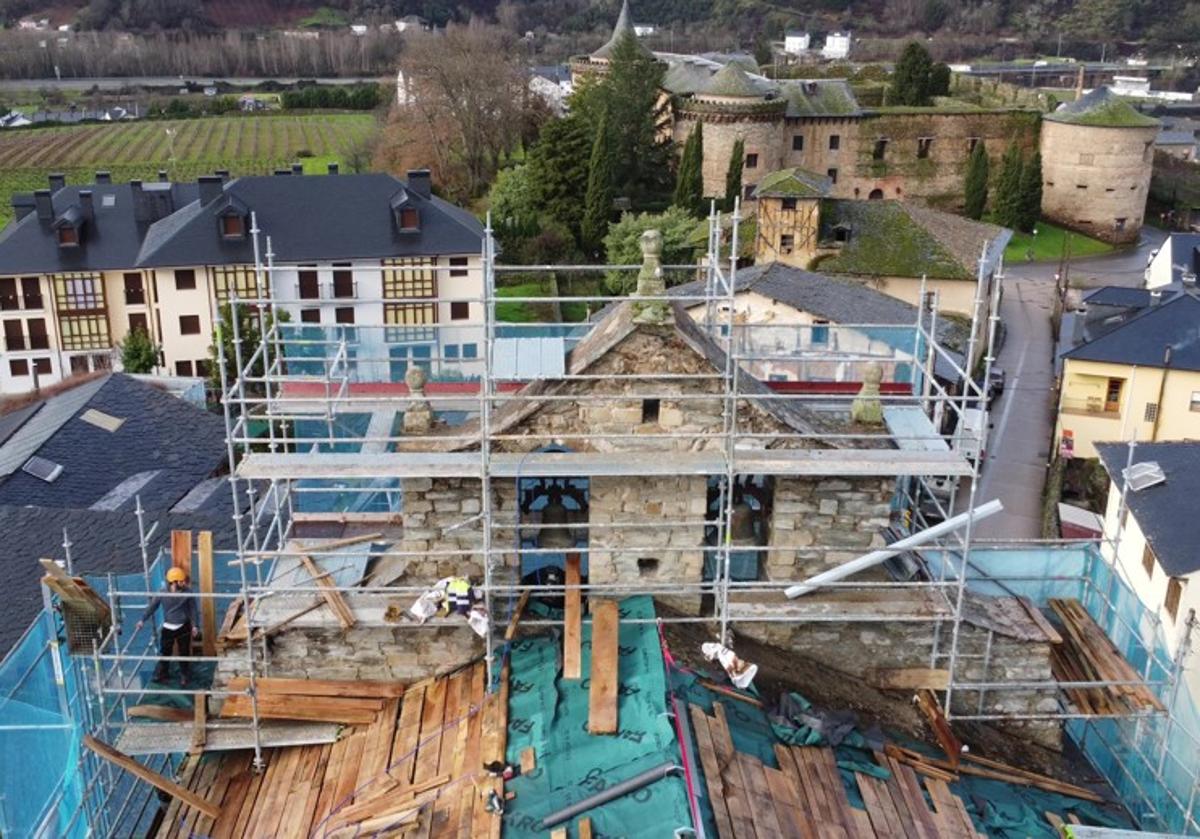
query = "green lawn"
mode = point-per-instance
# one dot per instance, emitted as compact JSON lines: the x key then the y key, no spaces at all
{"x":1048,"y":244}
{"x":572,"y":312}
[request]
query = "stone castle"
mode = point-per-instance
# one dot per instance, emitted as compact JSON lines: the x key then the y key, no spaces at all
{"x":1097,"y":152}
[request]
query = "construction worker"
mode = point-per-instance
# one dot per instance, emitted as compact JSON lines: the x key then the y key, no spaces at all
{"x":178,"y":626}
{"x":458,"y":595}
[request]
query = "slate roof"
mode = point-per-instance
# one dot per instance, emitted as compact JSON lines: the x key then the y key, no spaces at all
{"x":100,"y":541}
{"x":691,"y":74}
{"x":160,"y":434}
{"x":819,"y":97}
{"x":793,"y":183}
{"x":624,"y":27}
{"x":1103,"y":109}
{"x":1165,"y":512}
{"x":313,"y":218}
{"x":732,"y":81}
{"x":1115,"y":295}
{"x":1175,"y":138}
{"x":900,"y":239}
{"x":110,"y":240}
{"x":1144,"y":339}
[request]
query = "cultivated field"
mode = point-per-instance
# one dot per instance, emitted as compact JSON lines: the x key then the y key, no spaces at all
{"x":245,"y":145}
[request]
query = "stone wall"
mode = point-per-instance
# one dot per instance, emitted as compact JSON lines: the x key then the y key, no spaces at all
{"x":1096,"y":179}
{"x":760,"y":136}
{"x":823,"y":522}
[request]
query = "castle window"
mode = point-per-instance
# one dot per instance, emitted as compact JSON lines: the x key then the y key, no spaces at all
{"x":797,"y":142}
{"x":835,"y":142}
{"x":971,"y":143}
{"x":1120,"y":224}
{"x":647,"y":566}
{"x":923,"y":146}
{"x":841,"y":233}
{"x":1081,"y":186}
{"x":1086,"y":158}
{"x":752,"y":161}
{"x":788,"y":203}
{"x":650,"y":410}
{"x":881,"y":145}
{"x":875,"y":195}
{"x":832,"y":173}
{"x":787,"y":243}
{"x":748,"y":192}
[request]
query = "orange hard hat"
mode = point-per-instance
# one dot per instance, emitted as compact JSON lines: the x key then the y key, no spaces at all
{"x":176,"y":575}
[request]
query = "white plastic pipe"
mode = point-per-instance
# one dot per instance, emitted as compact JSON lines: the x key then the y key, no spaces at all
{"x":875,"y":557}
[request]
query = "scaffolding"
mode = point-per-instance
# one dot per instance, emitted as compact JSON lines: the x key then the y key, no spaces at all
{"x":301,"y":454}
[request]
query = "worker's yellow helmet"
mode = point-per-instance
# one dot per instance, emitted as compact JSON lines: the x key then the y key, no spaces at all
{"x":176,"y":575}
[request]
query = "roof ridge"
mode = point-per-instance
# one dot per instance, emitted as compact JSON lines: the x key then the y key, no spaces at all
{"x":1148,"y":311}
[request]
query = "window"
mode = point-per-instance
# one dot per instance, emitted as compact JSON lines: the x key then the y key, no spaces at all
{"x":31,"y":290}
{"x":185,"y":279}
{"x":880,"y":150}
{"x":135,"y":294}
{"x":189,"y":324}
{"x":343,"y":314}
{"x":42,"y":366}
{"x":788,"y":204}
{"x":1151,"y":412}
{"x":409,"y":314}
{"x":18,"y":367}
{"x":787,"y":243}
{"x":835,"y":142}
{"x":1174,"y":593}
{"x":470,"y":351}
{"x":752,"y":161}
{"x":309,"y":285}
{"x":460,"y":310}
{"x":14,"y":335}
{"x":343,"y":280}
{"x":820,"y":332}
{"x":84,"y":332}
{"x":310,"y":315}
{"x":1148,"y":561}
{"x":647,"y":566}
{"x":203,"y":367}
{"x":8,"y":294}
{"x":458,"y":266}
{"x":841,"y":233}
{"x":235,"y":279}
{"x":1081,"y":186}
{"x":1119,"y":224}
{"x":1194,"y":402}
{"x":183,"y":368}
{"x":68,"y":237}
{"x":832,"y":173}
{"x":797,"y":142}
{"x":79,"y":293}
{"x":924,"y":144}
{"x":650,"y":410}
{"x":1112,"y":395}
{"x":450,"y":352}
{"x":138,"y":321}
{"x":409,"y":219}
{"x":748,"y":192}
{"x":972,"y":142}
{"x":101,"y":362}
{"x":408,"y":278}
{"x":233,"y":227}
{"x":38,"y":339}
{"x":79,"y":364}
{"x":875,"y":195}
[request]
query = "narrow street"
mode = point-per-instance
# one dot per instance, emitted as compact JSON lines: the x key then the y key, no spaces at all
{"x":1022,"y":420}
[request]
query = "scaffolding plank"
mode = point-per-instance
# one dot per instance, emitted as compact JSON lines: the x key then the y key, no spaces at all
{"x":844,"y":605}
{"x":151,"y":777}
{"x":573,"y":622}
{"x":208,"y":604}
{"x":602,"y":695}
{"x":176,"y":737}
{"x":817,"y":462}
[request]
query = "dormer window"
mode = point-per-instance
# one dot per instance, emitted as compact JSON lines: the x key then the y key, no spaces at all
{"x":68,"y":237}
{"x":408,"y":219}
{"x":233,"y":226}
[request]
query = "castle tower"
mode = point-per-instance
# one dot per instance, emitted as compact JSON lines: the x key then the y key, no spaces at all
{"x":1097,"y":155}
{"x":789,"y":216}
{"x":597,"y":62}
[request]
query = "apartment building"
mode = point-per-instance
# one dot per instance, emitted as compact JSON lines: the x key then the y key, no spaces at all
{"x":82,"y":266}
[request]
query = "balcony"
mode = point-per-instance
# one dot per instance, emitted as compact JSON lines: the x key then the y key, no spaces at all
{"x":1091,"y":407}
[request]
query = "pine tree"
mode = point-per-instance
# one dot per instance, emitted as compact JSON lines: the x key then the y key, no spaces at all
{"x":975,"y":185}
{"x":1007,"y":205}
{"x":558,"y":169}
{"x":138,"y":353}
{"x":597,"y":203}
{"x":689,"y":181}
{"x":1031,"y":192}
{"x":939,"y":79}
{"x":910,"y":80}
{"x":733,"y":177}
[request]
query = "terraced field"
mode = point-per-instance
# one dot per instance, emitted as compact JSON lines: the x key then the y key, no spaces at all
{"x":245,"y":145}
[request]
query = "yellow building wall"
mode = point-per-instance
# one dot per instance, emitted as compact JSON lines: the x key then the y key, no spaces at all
{"x":174,"y":303}
{"x":1082,"y":401}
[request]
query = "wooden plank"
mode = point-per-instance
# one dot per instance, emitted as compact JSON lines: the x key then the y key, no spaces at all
{"x":347,"y":689}
{"x":408,"y":732}
{"x":558,"y":833}
{"x":573,"y":622}
{"x":296,"y":807}
{"x":271,"y":809}
{"x":432,"y":717}
{"x":187,"y":774}
{"x":914,"y":799}
{"x":762,"y":807}
{"x":199,"y":723}
{"x":235,"y":797}
{"x":712,"y":770}
{"x":945,"y":735}
{"x":584,"y":828}
{"x":812,"y":787}
{"x":528,"y":760}
{"x":153,"y":778}
{"x":314,"y":708}
{"x":348,"y":779}
{"x":909,"y":678}
{"x":602,"y":694}
{"x":879,"y":808}
{"x":237,"y":828}
{"x":909,"y":825}
{"x":469,"y":794}
{"x":333,"y":769}
{"x":791,"y":816}
{"x":372,"y":770}
{"x":949,"y":806}
{"x":202,"y":784}
{"x":440,"y":810}
{"x":312,"y":794}
{"x":208,"y":605}
{"x":333,"y":598}
{"x":181,"y":551}
{"x":736,"y":799}
{"x":451,"y":803}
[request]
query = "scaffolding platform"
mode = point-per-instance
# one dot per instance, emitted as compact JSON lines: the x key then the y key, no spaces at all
{"x":176,"y":737}
{"x":917,"y":604}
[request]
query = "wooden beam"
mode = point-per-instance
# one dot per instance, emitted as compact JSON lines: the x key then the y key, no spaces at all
{"x":151,"y":777}
{"x":511,"y":630}
{"x":528,"y":760}
{"x":200,"y":723}
{"x":312,"y":708}
{"x":602,"y":697}
{"x":320,"y":687}
{"x":208,"y":604}
{"x":333,"y":598}
{"x":585,"y":827}
{"x":946,"y":737}
{"x":573,"y":622}
{"x":909,"y":678}
{"x":181,"y":551}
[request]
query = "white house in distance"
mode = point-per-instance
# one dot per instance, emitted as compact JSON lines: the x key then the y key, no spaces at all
{"x":1157,"y":549}
{"x":1177,"y":262}
{"x":837,"y":45}
{"x":796,"y":43}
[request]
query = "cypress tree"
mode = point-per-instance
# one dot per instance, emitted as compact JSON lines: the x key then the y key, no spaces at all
{"x":975,"y":185}
{"x":910,"y":81}
{"x":597,"y":204}
{"x":1031,"y":192}
{"x":689,"y":183}
{"x":1008,"y":192}
{"x":733,"y":176}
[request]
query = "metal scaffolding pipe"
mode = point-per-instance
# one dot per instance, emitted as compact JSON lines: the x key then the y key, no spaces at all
{"x":875,"y":557}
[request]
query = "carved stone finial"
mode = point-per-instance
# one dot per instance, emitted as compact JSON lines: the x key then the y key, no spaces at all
{"x":650,"y":281}
{"x":867,"y":407}
{"x":418,"y":417}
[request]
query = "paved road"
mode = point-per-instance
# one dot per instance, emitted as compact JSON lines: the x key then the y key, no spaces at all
{"x":1022,"y":420}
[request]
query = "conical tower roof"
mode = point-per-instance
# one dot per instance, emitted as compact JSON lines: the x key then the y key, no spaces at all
{"x":624,"y":27}
{"x":1101,"y":108}
{"x":731,"y":80}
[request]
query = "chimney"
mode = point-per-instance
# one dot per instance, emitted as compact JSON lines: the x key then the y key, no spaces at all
{"x":333,"y":168}
{"x":223,"y":174}
{"x":57,"y":181}
{"x":45,"y":207}
{"x":211,"y":187}
{"x":162,"y":175}
{"x":85,"y":204}
{"x":140,"y":213}
{"x":22,"y":206}
{"x":297,"y":168}
{"x":283,"y":171}
{"x":104,"y":177}
{"x":420,"y":182}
